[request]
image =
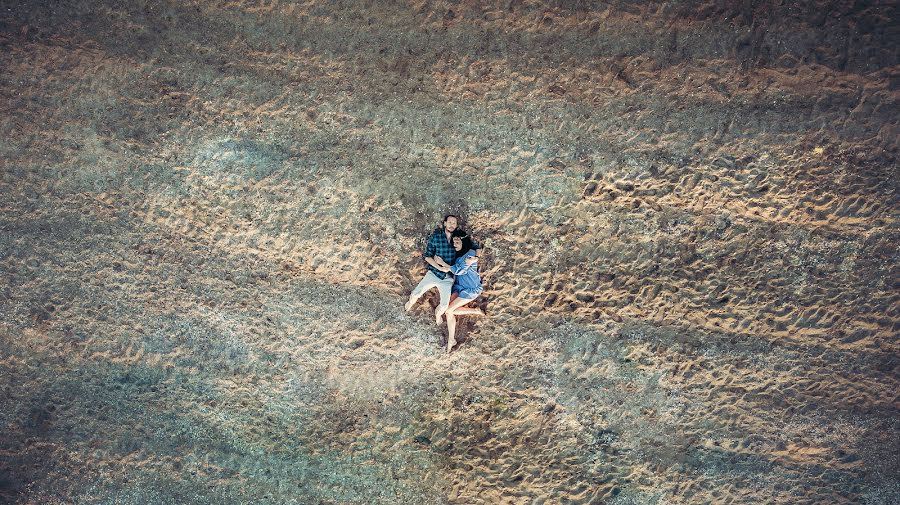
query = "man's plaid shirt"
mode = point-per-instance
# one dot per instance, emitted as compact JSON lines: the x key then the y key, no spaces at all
{"x":438,"y":245}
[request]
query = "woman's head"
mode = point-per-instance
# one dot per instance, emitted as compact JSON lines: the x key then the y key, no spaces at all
{"x":461,"y":242}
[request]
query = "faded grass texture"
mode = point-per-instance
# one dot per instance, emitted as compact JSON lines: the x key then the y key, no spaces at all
{"x":213,"y":212}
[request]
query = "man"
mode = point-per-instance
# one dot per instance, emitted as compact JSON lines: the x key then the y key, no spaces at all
{"x":439,"y":255}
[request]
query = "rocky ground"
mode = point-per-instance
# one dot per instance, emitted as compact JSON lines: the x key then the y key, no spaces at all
{"x":212,"y":213}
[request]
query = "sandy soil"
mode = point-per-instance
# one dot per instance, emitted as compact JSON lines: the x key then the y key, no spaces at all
{"x":212,"y":213}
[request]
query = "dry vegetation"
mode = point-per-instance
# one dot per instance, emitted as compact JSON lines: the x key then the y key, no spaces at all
{"x":212,"y":213}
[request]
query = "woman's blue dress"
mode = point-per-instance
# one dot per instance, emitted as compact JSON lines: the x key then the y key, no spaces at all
{"x":468,"y":281}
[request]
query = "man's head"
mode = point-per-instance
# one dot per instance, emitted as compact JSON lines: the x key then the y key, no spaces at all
{"x":451,"y":222}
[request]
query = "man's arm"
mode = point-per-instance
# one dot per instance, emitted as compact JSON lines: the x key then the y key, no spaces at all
{"x":430,"y":251}
{"x":434,"y":261}
{"x":440,"y":261}
{"x":430,"y":256}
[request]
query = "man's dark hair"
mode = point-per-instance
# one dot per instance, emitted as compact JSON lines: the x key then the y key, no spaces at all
{"x":448,"y":216}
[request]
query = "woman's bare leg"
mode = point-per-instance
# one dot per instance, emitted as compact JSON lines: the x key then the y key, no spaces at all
{"x":451,"y":331}
{"x":451,"y":320}
{"x":438,"y":312}
{"x":468,"y":311}
{"x":456,"y":303}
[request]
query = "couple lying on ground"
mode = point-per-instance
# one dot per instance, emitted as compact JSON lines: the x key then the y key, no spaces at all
{"x":451,"y":257}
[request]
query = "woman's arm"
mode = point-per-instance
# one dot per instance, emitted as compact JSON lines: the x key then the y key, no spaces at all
{"x":459,"y":268}
{"x":476,"y":247}
{"x":463,"y":264}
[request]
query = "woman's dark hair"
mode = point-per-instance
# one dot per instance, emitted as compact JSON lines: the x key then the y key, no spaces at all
{"x":466,"y":241}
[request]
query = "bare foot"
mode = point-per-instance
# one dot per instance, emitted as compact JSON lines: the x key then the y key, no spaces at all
{"x":408,"y":306}
{"x":450,"y":344}
{"x":437,"y":317}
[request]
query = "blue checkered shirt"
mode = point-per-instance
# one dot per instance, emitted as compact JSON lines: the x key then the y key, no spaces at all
{"x":438,"y":245}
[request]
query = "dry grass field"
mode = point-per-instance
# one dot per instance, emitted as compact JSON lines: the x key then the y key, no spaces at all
{"x":211,"y":214}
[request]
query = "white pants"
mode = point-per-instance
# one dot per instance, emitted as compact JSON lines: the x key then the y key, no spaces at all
{"x":445,"y":286}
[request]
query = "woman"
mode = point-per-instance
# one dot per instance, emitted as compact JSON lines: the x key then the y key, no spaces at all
{"x":466,"y":287}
